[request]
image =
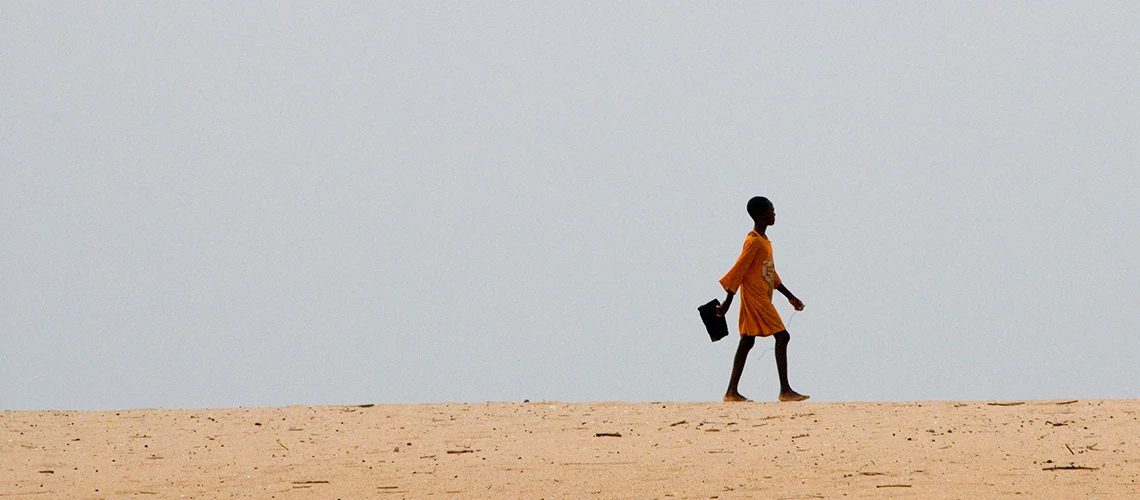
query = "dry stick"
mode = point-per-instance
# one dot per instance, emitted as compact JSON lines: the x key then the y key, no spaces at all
{"x":1070,"y":467}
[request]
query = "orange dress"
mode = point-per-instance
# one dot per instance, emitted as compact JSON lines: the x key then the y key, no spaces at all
{"x":754,"y":274}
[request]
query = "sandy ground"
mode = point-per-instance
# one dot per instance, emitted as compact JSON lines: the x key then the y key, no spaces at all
{"x":928,"y":450}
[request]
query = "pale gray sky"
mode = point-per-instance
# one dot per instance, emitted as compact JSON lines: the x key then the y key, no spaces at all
{"x":247,"y":204}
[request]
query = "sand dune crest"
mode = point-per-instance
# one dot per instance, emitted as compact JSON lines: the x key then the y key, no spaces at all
{"x":1031,"y":449}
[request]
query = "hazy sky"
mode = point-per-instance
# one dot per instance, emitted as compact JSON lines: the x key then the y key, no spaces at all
{"x":248,"y":204}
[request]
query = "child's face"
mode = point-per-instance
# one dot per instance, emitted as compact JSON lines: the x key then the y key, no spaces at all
{"x":769,"y":215}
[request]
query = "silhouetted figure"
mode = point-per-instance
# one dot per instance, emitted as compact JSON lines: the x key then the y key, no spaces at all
{"x":754,"y":274}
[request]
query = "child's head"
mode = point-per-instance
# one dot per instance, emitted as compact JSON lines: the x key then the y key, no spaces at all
{"x":761,"y":210}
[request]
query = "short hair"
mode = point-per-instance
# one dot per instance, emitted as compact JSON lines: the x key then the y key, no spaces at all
{"x":757,"y":205}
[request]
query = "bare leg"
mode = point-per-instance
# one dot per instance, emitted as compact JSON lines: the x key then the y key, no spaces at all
{"x":746,"y":343}
{"x":786,"y":392}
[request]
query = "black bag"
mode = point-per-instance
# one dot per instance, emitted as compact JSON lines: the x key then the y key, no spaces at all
{"x":716,"y":325}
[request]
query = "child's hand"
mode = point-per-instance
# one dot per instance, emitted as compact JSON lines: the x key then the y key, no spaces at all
{"x":796,"y":303}
{"x":722,"y":308}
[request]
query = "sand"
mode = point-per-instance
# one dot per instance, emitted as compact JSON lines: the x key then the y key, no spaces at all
{"x":927,"y":450}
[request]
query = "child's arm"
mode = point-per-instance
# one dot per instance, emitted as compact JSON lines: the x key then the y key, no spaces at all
{"x":723,"y":307}
{"x":796,"y":303}
{"x":735,"y":277}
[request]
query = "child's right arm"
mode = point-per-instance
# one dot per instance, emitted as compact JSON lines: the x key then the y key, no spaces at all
{"x":722,"y":309}
{"x":735,"y":277}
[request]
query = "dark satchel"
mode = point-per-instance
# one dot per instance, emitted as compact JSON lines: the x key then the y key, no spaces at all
{"x":716,"y":325}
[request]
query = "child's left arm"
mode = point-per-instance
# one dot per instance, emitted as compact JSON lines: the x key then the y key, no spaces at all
{"x":796,"y":302}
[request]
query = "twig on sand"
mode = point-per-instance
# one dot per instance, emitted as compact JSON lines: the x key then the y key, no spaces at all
{"x":1070,"y":467}
{"x":282,"y":445}
{"x":674,"y":424}
{"x":1015,"y":403}
{"x":893,"y":486}
{"x":456,"y":452}
{"x":607,"y":434}
{"x":1069,"y":402}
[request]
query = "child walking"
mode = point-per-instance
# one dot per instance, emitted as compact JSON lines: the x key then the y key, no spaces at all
{"x":754,"y":274}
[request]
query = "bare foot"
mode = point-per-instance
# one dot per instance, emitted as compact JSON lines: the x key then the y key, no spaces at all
{"x":735,"y":397}
{"x":791,"y":396}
